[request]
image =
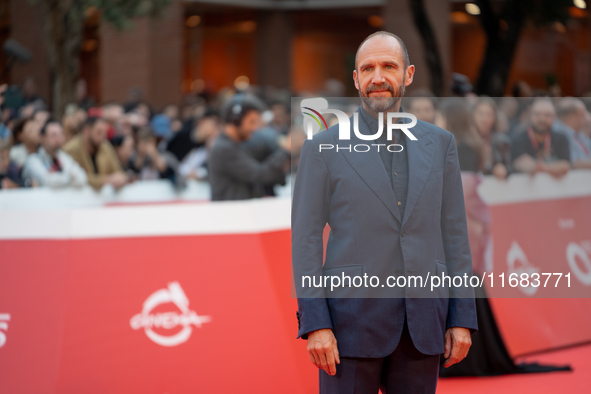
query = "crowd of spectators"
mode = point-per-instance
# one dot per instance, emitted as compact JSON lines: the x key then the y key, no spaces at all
{"x":501,"y":136}
{"x":244,"y":145}
{"x":120,"y":143}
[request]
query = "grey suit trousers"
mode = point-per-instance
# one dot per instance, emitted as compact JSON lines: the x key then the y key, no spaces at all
{"x":405,"y":371}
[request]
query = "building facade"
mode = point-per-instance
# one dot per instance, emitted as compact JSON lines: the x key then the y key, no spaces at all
{"x":307,"y":47}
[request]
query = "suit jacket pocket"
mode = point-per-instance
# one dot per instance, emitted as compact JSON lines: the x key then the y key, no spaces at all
{"x":343,"y":272}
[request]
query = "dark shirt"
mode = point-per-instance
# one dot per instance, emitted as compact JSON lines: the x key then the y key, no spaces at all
{"x":182,"y":142}
{"x":234,"y":173}
{"x":170,"y":172}
{"x":13,"y":173}
{"x":94,"y":166}
{"x":501,"y":152}
{"x":395,"y":163}
{"x":559,"y":147}
{"x":56,"y":166}
{"x":468,"y":158}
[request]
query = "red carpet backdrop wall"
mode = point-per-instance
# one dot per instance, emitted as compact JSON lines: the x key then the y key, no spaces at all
{"x":179,"y":297}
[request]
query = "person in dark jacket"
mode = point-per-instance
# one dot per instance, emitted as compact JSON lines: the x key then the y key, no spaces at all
{"x":539,"y":148}
{"x":234,"y":174}
{"x":263,"y":143}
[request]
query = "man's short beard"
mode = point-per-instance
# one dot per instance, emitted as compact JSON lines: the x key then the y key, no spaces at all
{"x":242,"y":134}
{"x":383,"y":104}
{"x":541,"y":131}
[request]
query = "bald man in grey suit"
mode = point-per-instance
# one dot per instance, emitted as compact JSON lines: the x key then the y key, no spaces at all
{"x":390,"y":214}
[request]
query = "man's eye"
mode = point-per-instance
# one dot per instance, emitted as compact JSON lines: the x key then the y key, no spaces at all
{"x":389,"y":67}
{"x":368,"y":68}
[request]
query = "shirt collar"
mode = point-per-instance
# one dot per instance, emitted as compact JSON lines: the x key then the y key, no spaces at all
{"x":43,"y":153}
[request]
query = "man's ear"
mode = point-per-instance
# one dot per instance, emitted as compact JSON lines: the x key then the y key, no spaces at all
{"x":355,"y":81}
{"x":410,"y":73}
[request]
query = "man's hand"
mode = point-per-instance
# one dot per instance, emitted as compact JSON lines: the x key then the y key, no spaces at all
{"x":526,"y":163}
{"x":500,"y":171}
{"x":285,"y":142}
{"x":457,"y":343}
{"x":322,"y":349}
{"x":557,"y":169}
{"x":117,"y":179}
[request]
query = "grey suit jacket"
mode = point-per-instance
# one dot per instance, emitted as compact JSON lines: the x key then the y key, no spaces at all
{"x":351,"y":192}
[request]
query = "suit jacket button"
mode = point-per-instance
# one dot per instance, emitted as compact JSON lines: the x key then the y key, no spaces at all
{"x":398,"y":272}
{"x":402,"y":234}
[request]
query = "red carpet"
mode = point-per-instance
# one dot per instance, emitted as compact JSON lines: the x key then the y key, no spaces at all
{"x":575,"y":382}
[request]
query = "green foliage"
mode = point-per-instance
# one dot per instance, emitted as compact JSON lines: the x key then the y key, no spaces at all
{"x":118,"y":12}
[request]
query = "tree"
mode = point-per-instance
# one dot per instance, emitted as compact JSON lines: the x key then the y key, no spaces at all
{"x":64,"y":24}
{"x":503,"y":23}
{"x":430,"y":47}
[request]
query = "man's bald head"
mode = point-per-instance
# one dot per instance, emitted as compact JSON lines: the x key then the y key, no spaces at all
{"x":568,"y":106}
{"x":572,"y":112}
{"x":544,"y":104}
{"x":384,"y":35}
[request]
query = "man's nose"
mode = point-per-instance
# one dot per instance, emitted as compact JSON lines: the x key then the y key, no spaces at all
{"x":377,"y":77}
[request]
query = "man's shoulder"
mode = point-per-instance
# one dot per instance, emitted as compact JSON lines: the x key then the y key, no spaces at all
{"x":107,"y":147}
{"x":222,"y":144}
{"x":17,"y":149}
{"x":559,"y":137}
{"x":430,"y":127}
{"x":72,"y":145}
{"x":437,"y":134}
{"x":562,"y":128}
{"x":326,"y":136}
{"x":64,"y":156}
{"x":223,"y":151}
{"x":33,"y":158}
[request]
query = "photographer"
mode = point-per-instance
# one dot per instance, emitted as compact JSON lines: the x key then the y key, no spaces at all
{"x":234,"y":173}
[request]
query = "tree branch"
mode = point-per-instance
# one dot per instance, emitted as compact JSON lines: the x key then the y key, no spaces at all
{"x":431,"y":49}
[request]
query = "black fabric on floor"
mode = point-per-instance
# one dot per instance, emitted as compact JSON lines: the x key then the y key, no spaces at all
{"x":488,"y":355}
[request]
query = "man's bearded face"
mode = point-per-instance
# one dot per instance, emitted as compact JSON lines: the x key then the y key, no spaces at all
{"x":382,"y":104}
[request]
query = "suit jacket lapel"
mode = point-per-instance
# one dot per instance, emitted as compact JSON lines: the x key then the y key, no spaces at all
{"x":370,"y":168}
{"x":420,"y":160}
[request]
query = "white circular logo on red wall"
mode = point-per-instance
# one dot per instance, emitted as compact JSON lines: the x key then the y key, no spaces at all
{"x":186,"y":319}
{"x":4,"y":319}
{"x":518,"y":263}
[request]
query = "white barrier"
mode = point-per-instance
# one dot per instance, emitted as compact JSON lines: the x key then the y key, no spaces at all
{"x":157,"y":191}
{"x":138,"y":192}
{"x":522,"y":187}
{"x":47,"y":213}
